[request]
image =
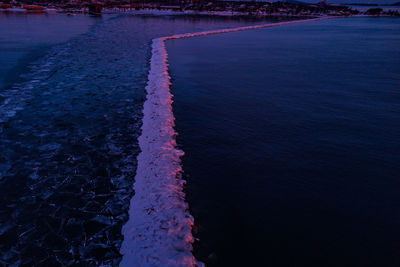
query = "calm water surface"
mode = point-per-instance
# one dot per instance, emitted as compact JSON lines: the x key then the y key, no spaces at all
{"x":70,"y":115}
{"x":291,"y":139}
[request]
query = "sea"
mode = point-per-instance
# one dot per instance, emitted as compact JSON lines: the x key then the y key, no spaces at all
{"x":72,"y":89}
{"x":292,"y":143}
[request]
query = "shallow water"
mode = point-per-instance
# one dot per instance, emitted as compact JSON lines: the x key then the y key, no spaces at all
{"x":291,"y":143}
{"x":68,"y":136}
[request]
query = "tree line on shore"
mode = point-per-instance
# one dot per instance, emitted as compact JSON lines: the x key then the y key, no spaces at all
{"x":289,"y":8}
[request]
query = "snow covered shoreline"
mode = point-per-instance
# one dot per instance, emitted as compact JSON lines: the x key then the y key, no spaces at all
{"x":159,"y":229}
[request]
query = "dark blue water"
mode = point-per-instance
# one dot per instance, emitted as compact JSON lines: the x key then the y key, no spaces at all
{"x":69,"y":123}
{"x":291,"y":139}
{"x":27,"y":37}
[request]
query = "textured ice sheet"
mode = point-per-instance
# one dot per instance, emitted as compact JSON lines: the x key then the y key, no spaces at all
{"x":68,"y":143}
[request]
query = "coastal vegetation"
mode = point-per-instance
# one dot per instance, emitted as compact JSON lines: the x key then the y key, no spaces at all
{"x":216,"y":7}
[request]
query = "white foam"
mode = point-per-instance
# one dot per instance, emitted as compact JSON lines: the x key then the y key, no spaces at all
{"x":254,"y":27}
{"x":158,"y":232}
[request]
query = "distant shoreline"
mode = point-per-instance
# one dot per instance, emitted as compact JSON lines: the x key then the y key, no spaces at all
{"x":155,"y":11}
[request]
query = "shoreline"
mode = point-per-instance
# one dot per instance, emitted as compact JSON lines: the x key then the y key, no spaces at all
{"x":157,"y":12}
{"x":159,"y":229}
